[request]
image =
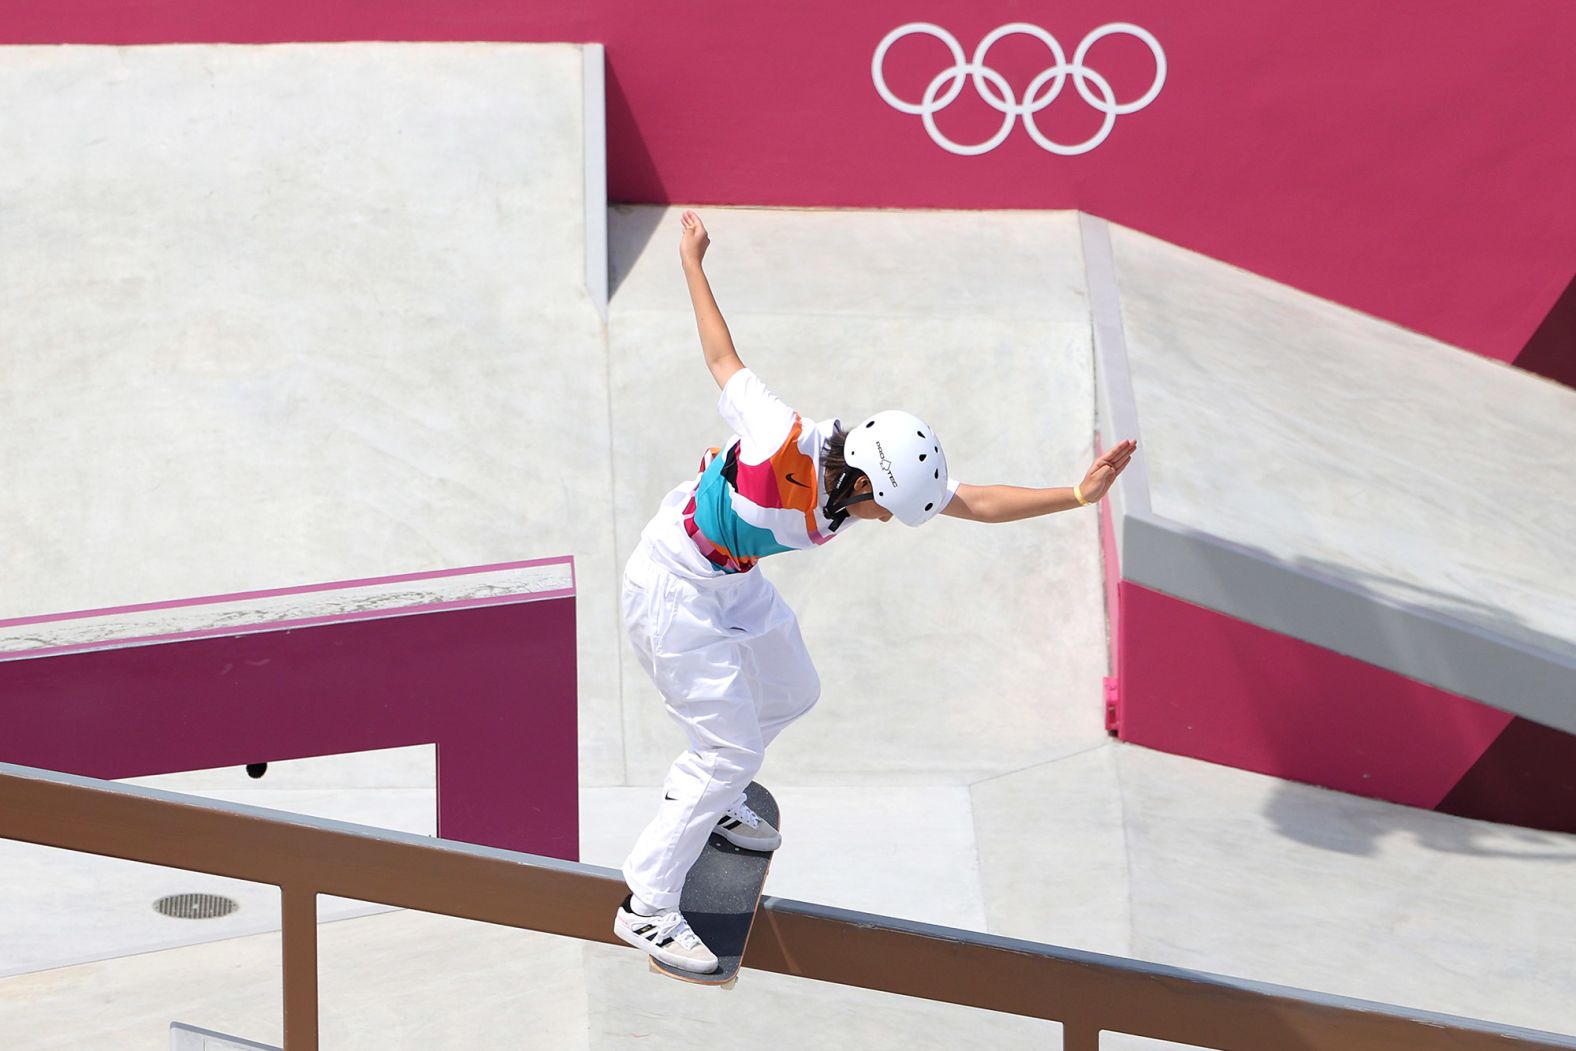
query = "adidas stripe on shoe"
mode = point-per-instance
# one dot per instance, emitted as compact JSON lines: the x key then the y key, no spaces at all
{"x":743,"y":827}
{"x":667,"y":936}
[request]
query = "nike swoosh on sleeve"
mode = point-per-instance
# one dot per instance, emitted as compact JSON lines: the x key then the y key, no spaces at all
{"x":795,"y":481}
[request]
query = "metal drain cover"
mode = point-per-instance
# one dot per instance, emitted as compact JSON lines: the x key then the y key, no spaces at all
{"x":196,"y":906}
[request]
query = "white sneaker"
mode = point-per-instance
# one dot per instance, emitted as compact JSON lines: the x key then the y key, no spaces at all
{"x":743,"y":827}
{"x":667,"y":936}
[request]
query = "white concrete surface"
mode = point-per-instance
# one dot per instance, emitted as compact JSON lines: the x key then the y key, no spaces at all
{"x":1350,"y":447}
{"x":350,"y":336}
{"x":64,"y":908}
{"x":959,"y":650}
{"x":409,"y":980}
{"x":1243,"y":874}
{"x":92,"y":629}
{"x":1052,"y":846}
{"x":185,"y":1037}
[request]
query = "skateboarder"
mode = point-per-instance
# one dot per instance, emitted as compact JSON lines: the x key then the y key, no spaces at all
{"x":718,"y":640}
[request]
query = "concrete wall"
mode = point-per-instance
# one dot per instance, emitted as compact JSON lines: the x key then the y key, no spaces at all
{"x":275,"y":316}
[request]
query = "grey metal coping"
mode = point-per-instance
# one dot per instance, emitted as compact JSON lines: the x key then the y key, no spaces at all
{"x":1156,"y":552}
{"x":1161,"y":978}
{"x":594,"y":136}
{"x":185,"y":1037}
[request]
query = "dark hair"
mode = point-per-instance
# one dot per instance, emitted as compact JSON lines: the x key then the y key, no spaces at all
{"x":832,"y":463}
{"x":837,"y":477}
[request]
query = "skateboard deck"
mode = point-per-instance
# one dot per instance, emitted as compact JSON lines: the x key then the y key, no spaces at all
{"x":721,"y":894}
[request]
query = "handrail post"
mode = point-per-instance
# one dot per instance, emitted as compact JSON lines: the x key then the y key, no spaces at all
{"x":298,"y":911}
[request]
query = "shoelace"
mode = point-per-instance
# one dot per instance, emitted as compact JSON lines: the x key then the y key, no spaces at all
{"x":672,"y":925}
{"x":745,"y":814}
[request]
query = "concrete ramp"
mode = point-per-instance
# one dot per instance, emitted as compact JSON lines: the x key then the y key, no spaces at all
{"x":1345,"y":551}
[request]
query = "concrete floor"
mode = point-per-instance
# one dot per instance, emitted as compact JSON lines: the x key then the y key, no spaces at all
{"x":956,"y":769}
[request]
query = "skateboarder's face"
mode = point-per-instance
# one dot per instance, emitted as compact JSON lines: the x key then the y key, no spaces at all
{"x":867,"y":509}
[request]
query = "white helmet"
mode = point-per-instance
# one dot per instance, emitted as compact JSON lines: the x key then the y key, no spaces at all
{"x":902,"y":457}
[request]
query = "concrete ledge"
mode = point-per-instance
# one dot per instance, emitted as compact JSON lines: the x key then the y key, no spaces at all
{"x":191,"y":1038}
{"x":1421,"y":644}
{"x":297,"y":607}
{"x":593,"y":66}
{"x":1469,"y":659}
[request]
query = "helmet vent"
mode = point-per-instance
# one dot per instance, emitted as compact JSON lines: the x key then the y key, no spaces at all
{"x":871,"y":423}
{"x":929,"y":506}
{"x":922,"y":457}
{"x":938,"y":472}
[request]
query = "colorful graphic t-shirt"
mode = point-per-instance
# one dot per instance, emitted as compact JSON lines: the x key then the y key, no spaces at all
{"x":759,"y":495}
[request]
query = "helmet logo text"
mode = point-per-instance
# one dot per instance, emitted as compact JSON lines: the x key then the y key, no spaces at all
{"x":886,"y":465}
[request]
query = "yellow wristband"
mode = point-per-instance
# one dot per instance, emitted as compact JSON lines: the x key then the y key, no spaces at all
{"x":1078,"y":495}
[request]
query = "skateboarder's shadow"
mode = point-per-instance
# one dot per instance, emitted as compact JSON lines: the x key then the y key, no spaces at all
{"x":1357,"y":826}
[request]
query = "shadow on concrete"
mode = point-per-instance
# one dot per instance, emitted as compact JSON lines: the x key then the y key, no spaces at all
{"x":1353,"y":824}
{"x":1349,"y":824}
{"x":629,"y":229}
{"x":1522,"y":805}
{"x":632,"y":173}
{"x":1551,"y":350}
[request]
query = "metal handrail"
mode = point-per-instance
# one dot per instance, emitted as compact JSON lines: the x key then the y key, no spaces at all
{"x":1087,"y":992}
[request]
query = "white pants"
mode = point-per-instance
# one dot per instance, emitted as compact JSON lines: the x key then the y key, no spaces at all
{"x":727,"y":657}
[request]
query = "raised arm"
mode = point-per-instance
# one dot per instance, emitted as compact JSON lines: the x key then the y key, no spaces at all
{"x":715,"y":341}
{"x":1010,"y":503}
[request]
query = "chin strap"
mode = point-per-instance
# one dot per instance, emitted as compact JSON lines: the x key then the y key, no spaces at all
{"x":839,"y":500}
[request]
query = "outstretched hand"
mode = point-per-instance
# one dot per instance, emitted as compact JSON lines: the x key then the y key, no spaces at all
{"x":1103,"y":471}
{"x":693,"y":242}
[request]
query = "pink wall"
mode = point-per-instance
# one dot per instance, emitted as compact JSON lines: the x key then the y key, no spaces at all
{"x":1199,"y":683}
{"x":1411,"y":159}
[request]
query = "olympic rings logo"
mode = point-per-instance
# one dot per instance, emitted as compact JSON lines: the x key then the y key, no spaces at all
{"x":997,"y":93}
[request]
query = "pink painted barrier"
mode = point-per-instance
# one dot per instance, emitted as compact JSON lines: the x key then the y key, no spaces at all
{"x":1198,"y":683}
{"x":489,"y":680}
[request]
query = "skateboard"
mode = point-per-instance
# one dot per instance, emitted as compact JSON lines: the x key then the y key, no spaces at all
{"x":721,"y":894}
